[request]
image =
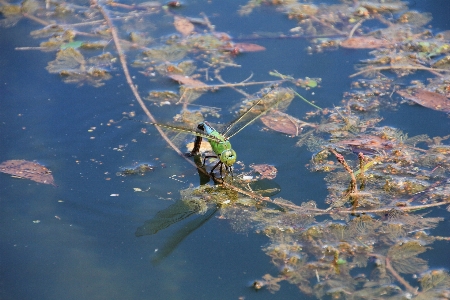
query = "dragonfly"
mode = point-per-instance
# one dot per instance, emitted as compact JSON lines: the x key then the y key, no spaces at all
{"x":219,"y":141}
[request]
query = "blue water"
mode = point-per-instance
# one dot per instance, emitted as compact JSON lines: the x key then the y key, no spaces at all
{"x":82,"y":244}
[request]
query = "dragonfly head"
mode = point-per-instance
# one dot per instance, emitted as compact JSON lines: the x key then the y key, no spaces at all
{"x":228,"y":157}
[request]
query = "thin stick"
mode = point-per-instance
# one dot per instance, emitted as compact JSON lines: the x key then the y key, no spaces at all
{"x":32,"y":48}
{"x":326,"y":25}
{"x":355,"y":27}
{"x":219,"y":77}
{"x":36,"y":19}
{"x":400,"y":68}
{"x":130,"y":81}
{"x":341,"y":160}
{"x":394,"y":273}
{"x":208,"y":23}
{"x":399,"y":278}
{"x":216,"y":86}
{"x":404,"y":208}
{"x":361,"y":169}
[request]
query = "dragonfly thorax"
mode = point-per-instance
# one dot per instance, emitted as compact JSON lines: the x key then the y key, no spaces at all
{"x":228,"y":157}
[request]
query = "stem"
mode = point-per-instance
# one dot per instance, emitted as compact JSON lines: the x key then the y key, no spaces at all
{"x":354,"y":28}
{"x":400,"y":68}
{"x":216,"y":86}
{"x":303,"y":98}
{"x":399,"y":278}
{"x":126,"y":72}
{"x":340,"y":158}
{"x":36,"y":19}
{"x":394,"y":273}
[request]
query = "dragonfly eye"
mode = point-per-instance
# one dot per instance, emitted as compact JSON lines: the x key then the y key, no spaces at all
{"x":228,"y":157}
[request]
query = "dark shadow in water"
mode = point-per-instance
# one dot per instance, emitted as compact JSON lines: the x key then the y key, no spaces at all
{"x":175,"y":213}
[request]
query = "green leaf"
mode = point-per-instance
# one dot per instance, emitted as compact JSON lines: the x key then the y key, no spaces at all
{"x":73,"y":45}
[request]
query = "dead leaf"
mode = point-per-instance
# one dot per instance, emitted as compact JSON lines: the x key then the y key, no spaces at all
{"x":242,"y":48}
{"x":266,"y":171}
{"x":183,"y":25}
{"x":187,"y":81}
{"x":27,"y":169}
{"x":368,"y":142}
{"x":428,"y":99}
{"x":283,"y":123}
{"x":364,"y":43}
{"x":246,"y":47}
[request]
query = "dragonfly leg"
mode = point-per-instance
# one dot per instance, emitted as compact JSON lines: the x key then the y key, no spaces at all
{"x":219,"y":163}
{"x":230,"y":170}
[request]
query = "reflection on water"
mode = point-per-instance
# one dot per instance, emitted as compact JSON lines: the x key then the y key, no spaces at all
{"x":173,"y":214}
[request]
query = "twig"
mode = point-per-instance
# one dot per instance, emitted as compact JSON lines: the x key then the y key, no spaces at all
{"x":354,"y":28}
{"x":399,"y":278}
{"x":208,"y":23}
{"x":340,"y":158}
{"x":326,"y":25}
{"x":219,"y":77}
{"x":216,"y":86}
{"x":361,"y":169}
{"x":32,"y":48}
{"x":36,"y":19}
{"x":126,"y":6}
{"x":130,"y":81}
{"x":400,"y":68}
{"x":404,"y":208}
{"x":394,"y":273}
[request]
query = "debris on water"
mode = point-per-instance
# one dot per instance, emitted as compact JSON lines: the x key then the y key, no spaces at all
{"x":266,"y":171}
{"x":140,"y":169}
{"x":27,"y":169}
{"x":283,"y":123}
{"x":183,"y":25}
{"x":427,"y":99}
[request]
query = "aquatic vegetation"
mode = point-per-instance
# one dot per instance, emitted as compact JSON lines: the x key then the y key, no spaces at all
{"x":366,"y":238}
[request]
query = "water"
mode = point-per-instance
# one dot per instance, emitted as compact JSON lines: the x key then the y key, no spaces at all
{"x":76,"y":241}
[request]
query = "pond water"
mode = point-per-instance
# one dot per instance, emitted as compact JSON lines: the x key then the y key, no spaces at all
{"x":76,"y":240}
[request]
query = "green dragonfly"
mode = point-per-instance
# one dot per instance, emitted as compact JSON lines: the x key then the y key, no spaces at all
{"x":219,"y":141}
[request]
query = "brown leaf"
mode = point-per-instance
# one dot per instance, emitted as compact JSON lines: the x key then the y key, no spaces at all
{"x":372,"y":142}
{"x":246,"y":47}
{"x":364,"y":43}
{"x":266,"y":171}
{"x":183,"y":25}
{"x":187,"y":81}
{"x":428,"y":99}
{"x":283,"y":123}
{"x":27,"y":169}
{"x":242,"y":48}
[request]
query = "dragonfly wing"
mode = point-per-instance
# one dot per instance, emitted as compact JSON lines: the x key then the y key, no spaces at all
{"x":196,"y":132}
{"x":238,"y":119}
{"x":250,"y":116}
